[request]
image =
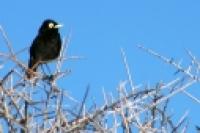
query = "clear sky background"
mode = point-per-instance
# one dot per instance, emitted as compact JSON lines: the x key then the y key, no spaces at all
{"x":100,"y":28}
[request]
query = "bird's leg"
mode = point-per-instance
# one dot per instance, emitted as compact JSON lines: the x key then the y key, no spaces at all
{"x":48,"y":68}
{"x":42,"y":68}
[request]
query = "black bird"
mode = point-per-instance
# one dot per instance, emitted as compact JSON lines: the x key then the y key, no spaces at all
{"x":46,"y":46}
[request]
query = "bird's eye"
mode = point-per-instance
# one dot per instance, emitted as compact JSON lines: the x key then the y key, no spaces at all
{"x":51,"y":25}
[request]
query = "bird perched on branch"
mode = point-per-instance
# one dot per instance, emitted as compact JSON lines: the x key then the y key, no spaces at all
{"x":45,"y":47}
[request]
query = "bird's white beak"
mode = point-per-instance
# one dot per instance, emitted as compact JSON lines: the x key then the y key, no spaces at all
{"x":58,"y":26}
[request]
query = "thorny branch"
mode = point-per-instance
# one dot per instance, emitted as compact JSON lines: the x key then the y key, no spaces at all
{"x":39,"y":105}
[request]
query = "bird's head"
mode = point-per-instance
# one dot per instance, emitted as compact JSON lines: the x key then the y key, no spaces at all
{"x":49,"y":25}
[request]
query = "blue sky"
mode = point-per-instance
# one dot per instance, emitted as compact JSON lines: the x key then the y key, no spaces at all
{"x":100,"y":28}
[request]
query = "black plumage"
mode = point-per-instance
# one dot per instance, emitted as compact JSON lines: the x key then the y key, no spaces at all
{"x":46,"y":46}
